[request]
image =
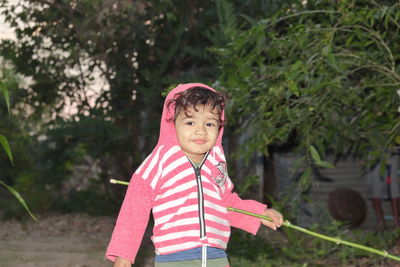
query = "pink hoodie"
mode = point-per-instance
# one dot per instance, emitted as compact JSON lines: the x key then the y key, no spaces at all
{"x":188,"y":205}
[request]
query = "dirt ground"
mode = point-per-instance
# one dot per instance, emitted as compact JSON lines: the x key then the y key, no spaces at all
{"x":69,"y":240}
{"x":72,"y":240}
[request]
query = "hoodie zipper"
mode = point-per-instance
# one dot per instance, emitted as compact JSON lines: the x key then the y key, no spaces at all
{"x":200,"y":196}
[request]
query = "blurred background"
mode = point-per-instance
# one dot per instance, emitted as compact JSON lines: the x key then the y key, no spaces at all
{"x":312,"y":88}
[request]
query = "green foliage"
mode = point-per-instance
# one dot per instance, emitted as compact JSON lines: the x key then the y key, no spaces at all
{"x":291,"y":248}
{"x":249,"y":181}
{"x":247,"y":250}
{"x":321,"y":77}
{"x":3,"y":140}
{"x":91,"y":201}
{"x":19,"y":198}
{"x":4,"y":91}
{"x":6,"y":146}
{"x":134,"y":48}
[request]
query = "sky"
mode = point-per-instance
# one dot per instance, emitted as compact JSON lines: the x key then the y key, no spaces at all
{"x":5,"y":31}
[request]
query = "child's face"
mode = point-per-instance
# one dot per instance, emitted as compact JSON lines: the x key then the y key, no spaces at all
{"x":198,"y":132}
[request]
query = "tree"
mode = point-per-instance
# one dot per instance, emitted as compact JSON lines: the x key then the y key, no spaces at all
{"x":136,"y":48}
{"x":5,"y":145}
{"x":3,"y":139}
{"x":320,"y":77}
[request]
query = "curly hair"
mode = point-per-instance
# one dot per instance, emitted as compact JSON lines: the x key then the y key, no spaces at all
{"x":195,"y":97}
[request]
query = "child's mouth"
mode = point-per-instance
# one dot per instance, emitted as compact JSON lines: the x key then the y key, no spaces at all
{"x":200,"y":141}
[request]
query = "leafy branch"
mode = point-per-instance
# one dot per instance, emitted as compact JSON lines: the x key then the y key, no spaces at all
{"x":4,"y":143}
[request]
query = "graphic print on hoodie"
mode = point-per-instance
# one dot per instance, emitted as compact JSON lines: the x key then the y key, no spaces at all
{"x":188,"y":203}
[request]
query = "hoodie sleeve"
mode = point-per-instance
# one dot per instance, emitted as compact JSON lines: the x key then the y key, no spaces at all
{"x":245,"y":222}
{"x":132,"y":221}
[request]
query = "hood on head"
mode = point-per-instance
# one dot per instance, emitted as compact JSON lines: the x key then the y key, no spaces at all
{"x":167,"y":127}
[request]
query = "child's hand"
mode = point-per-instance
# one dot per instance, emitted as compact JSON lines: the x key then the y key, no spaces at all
{"x":121,"y":262}
{"x":277,"y":219}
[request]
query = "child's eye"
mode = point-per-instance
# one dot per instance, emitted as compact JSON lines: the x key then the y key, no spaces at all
{"x":210,"y":124}
{"x":189,"y":123}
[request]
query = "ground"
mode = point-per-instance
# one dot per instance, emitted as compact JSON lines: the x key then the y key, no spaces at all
{"x":80,"y":240}
{"x":69,"y":240}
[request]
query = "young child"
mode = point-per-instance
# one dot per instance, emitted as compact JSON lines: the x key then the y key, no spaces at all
{"x":184,"y":182}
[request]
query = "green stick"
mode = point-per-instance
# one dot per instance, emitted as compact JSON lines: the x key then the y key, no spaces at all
{"x":336,"y":240}
{"x":114,"y":181}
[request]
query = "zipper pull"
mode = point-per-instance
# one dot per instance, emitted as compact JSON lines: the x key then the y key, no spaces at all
{"x":197,"y":172}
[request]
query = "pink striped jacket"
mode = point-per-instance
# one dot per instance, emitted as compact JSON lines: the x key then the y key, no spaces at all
{"x":188,"y":202}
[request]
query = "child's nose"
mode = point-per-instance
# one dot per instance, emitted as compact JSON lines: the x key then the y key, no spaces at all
{"x":200,"y":130}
